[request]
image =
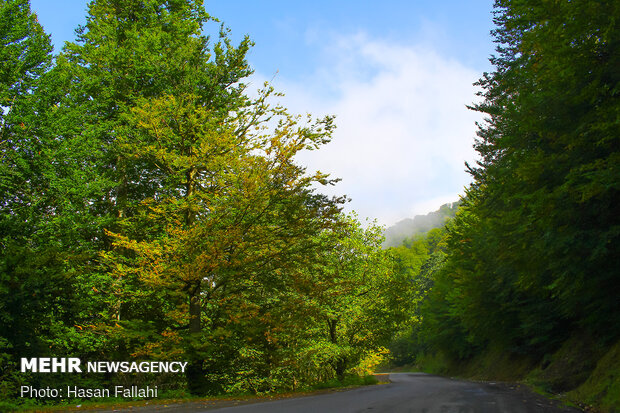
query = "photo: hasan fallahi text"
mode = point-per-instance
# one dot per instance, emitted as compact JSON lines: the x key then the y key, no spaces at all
{"x":81,"y":392}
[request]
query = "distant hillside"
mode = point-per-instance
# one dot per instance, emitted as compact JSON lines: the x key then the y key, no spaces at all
{"x":408,"y":227}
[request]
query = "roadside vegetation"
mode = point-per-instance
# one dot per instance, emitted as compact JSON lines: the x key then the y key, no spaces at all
{"x":152,"y":209}
{"x":525,"y":284}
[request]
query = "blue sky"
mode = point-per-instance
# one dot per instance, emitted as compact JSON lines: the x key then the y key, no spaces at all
{"x":397,"y":74}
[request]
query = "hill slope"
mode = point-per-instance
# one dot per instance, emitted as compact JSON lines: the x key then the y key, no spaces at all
{"x":409,"y":227}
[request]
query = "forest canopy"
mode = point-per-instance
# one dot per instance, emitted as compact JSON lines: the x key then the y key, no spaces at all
{"x":530,"y":264}
{"x":153,"y":209}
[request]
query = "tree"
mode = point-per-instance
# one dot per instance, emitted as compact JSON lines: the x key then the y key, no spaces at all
{"x":534,"y":254}
{"x":25,"y":51}
{"x":127,"y":53}
{"x":551,"y":150}
{"x":419,"y":260}
{"x":232,"y":208}
{"x":30,"y":279}
{"x":359,"y":300}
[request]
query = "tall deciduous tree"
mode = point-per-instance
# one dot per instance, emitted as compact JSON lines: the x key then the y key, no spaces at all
{"x":359,"y":300}
{"x":30,"y":274}
{"x":129,"y":52}
{"x":25,"y":52}
{"x":232,"y":213}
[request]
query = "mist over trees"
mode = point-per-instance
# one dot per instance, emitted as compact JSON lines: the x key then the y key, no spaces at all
{"x":409,"y":227}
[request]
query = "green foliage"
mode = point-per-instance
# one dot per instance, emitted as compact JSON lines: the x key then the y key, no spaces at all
{"x":347,"y":381}
{"x":25,"y":52}
{"x":152,"y":209}
{"x":420,"y":260}
{"x":532,"y":254}
{"x":536,"y":153}
{"x":37,"y":275}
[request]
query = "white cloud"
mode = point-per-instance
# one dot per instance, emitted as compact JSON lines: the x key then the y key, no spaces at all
{"x":403,"y":132}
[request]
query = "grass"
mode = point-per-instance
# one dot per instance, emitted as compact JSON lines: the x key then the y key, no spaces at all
{"x":347,"y":382}
{"x":602,"y":388}
{"x":493,"y":364}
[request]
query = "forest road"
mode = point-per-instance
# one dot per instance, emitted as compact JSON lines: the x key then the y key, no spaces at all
{"x":407,"y":392}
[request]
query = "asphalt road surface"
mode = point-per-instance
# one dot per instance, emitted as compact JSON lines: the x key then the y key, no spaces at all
{"x":413,"y":392}
{"x":407,"y":392}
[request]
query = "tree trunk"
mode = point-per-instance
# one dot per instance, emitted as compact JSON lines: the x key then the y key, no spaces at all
{"x":195,"y":373}
{"x":340,"y":367}
{"x":121,"y":191}
{"x":340,"y":363}
{"x":196,"y":380}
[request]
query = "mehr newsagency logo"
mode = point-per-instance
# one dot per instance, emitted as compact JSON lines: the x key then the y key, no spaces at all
{"x":74,"y":365}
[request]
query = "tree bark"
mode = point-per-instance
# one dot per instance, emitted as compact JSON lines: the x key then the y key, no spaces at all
{"x":340,"y":363}
{"x":195,"y":373}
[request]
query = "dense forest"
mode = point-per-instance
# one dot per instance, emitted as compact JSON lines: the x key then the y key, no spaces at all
{"x":527,"y":276}
{"x":152,"y":209}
